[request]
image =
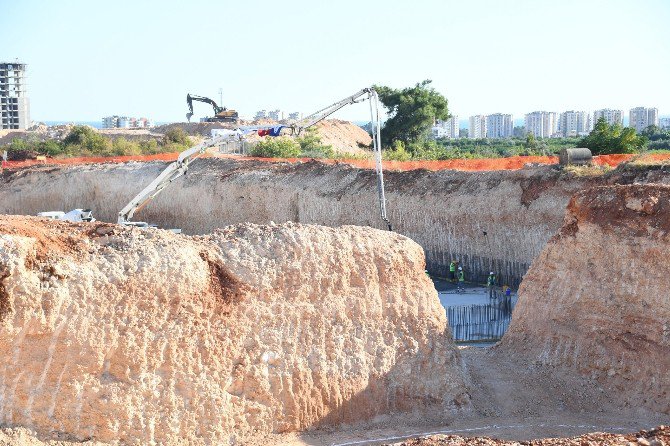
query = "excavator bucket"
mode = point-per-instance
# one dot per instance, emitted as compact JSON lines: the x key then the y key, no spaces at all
{"x":188,"y":116}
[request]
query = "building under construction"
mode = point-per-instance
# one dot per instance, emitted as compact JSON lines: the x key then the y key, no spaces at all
{"x":14,"y":104}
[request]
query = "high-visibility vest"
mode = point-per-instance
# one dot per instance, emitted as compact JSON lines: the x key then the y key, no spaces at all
{"x":461,"y":276}
{"x":452,"y":267}
{"x":492,"y":280}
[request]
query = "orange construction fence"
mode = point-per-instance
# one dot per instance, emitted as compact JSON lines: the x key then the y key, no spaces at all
{"x":481,"y":164}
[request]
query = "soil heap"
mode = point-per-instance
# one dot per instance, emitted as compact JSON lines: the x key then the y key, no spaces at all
{"x":596,"y":299}
{"x":143,"y":336}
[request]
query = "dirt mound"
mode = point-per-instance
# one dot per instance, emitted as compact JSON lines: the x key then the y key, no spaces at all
{"x":142,"y":336}
{"x":654,"y":437}
{"x":595,"y":300}
{"x":343,"y":136}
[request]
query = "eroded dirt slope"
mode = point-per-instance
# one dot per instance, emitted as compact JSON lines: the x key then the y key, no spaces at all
{"x":596,"y":299}
{"x":136,"y":336}
{"x":446,"y":212}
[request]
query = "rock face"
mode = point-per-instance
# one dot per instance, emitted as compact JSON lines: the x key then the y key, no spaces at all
{"x":596,"y":299}
{"x":446,"y":212}
{"x":146,"y":337}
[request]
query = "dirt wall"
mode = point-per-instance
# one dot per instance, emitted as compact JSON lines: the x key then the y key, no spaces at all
{"x":446,"y":211}
{"x":596,"y":299}
{"x":138,"y":336}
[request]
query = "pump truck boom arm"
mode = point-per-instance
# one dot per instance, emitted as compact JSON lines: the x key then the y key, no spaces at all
{"x":375,"y":122}
{"x":181,"y":165}
{"x":322,"y":114}
{"x":171,"y":173}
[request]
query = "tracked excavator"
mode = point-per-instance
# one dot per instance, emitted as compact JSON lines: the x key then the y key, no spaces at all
{"x":221,"y":114}
{"x":181,"y":165}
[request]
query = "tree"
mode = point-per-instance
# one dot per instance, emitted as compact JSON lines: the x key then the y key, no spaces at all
{"x":412,"y":111}
{"x":607,"y":138}
{"x":531,"y":142}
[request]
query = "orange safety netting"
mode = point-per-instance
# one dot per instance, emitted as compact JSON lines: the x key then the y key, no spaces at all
{"x":482,"y":164}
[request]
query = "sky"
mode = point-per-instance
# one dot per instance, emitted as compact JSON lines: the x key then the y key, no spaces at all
{"x":91,"y":59}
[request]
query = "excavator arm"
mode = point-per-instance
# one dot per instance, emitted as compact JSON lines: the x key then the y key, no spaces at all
{"x":192,"y":97}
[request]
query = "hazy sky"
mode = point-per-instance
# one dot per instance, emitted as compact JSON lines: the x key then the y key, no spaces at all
{"x":88,"y":59}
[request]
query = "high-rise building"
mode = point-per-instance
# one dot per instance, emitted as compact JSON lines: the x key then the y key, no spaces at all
{"x":640,"y":118}
{"x":14,"y":104}
{"x":294,"y":116}
{"x":664,"y":123}
{"x":541,"y":124}
{"x":446,"y":129}
{"x":477,"y":127}
{"x":611,"y":116}
{"x":499,"y":125}
{"x":574,"y":123}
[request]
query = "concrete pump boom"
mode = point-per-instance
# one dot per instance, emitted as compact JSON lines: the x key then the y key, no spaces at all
{"x":180,"y":166}
{"x":171,"y":173}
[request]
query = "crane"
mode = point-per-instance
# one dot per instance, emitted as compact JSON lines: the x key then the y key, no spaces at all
{"x":181,"y":165}
{"x":221,"y":114}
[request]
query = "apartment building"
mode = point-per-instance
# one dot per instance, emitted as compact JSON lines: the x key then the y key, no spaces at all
{"x":664,"y":123}
{"x":611,"y":116}
{"x":574,"y":123}
{"x":477,"y":127}
{"x":499,"y":125}
{"x":125,"y":122}
{"x":641,"y":117}
{"x":541,"y":124}
{"x":14,"y":103}
{"x":446,"y":129}
{"x":295,"y":116}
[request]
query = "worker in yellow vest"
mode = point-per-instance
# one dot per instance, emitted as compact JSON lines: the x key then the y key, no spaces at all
{"x":461,"y":280}
{"x":452,"y":270}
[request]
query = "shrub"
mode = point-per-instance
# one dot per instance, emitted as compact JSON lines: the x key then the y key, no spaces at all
{"x":311,"y":146}
{"x":280,"y":147}
{"x":177,"y":135}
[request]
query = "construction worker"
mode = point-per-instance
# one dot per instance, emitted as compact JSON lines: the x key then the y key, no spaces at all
{"x":461,"y":280}
{"x":491,"y":283}
{"x":452,"y":270}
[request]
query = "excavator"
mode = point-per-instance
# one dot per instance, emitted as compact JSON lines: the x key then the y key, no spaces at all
{"x":179,"y":167}
{"x":221,"y":114}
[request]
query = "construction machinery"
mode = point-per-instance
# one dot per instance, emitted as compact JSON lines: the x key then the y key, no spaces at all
{"x":179,"y":167}
{"x":221,"y":114}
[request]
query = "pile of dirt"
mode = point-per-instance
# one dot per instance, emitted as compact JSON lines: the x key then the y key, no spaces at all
{"x":595,"y":300}
{"x":343,"y":136}
{"x":659,"y":436}
{"x":143,"y":336}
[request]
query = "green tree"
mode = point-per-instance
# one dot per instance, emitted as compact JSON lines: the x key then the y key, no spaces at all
{"x":531,"y":142}
{"x":607,"y":138}
{"x":276,"y":148}
{"x":412,"y":111}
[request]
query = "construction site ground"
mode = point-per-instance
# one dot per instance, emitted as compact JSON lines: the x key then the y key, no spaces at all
{"x":511,"y":401}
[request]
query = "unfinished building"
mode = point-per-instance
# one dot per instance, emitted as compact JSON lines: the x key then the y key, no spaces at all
{"x":14,"y":104}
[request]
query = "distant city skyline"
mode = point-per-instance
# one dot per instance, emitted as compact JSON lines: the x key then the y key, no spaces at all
{"x":86,"y":60}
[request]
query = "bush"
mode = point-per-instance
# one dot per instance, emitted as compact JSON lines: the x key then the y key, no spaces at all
{"x":19,"y":150}
{"x":280,"y":147}
{"x":177,"y":135}
{"x":311,"y":146}
{"x":397,"y":152}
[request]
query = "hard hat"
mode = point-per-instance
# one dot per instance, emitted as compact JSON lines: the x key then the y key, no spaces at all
{"x":491,"y":273}
{"x":460,"y":268}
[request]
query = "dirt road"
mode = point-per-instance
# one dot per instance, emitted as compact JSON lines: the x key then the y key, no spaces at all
{"x":510,"y":401}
